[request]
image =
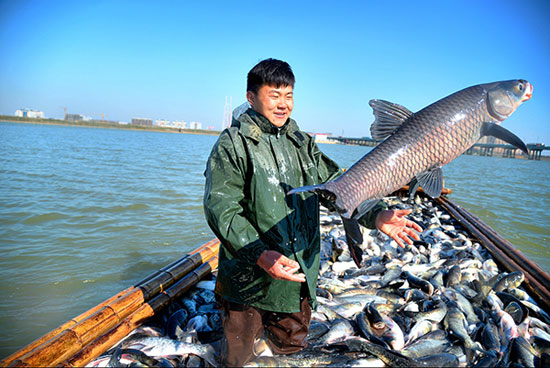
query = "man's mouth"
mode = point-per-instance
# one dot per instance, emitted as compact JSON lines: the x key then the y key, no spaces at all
{"x":280,"y":115}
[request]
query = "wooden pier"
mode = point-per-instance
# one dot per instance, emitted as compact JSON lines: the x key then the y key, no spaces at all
{"x":506,"y":150}
{"x":480,"y":149}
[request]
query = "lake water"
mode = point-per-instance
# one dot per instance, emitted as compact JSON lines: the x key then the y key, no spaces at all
{"x":87,"y":212}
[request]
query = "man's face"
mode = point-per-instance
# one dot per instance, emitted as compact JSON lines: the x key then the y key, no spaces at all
{"x":275,"y":103}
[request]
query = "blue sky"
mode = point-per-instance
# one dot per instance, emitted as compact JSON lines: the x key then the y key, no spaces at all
{"x":179,"y":59}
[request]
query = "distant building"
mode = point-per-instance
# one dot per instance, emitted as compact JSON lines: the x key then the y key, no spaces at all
{"x":195,"y":125}
{"x":322,"y":137}
{"x":179,"y":124}
{"x":74,"y":117}
{"x":29,"y":113}
{"x":162,"y":123}
{"x":142,"y":121}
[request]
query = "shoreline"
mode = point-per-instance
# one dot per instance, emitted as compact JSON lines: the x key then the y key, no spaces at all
{"x":543,"y":157}
{"x":97,"y":124}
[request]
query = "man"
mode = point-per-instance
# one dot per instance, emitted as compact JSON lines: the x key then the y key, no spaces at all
{"x":269,"y":253}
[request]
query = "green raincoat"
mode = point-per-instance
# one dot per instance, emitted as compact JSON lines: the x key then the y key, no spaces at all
{"x":251,"y":168}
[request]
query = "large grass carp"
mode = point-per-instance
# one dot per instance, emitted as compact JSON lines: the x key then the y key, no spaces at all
{"x":417,"y":145}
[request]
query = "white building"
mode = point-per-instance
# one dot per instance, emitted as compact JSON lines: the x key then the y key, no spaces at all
{"x":29,"y":113}
{"x":179,"y":124}
{"x":321,"y":137}
{"x":195,"y":125}
{"x":162,"y":123}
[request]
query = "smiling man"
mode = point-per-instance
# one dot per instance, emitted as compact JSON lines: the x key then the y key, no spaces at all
{"x":273,"y":102}
{"x":270,"y":242}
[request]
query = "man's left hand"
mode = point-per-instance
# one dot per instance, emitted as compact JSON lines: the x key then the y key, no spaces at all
{"x":394,"y":224}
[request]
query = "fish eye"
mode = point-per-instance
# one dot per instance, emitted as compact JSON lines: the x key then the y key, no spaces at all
{"x":520,"y":86}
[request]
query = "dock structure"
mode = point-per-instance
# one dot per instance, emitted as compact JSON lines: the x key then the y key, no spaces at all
{"x":506,"y":150}
{"x":481,"y":149}
{"x":365,"y":141}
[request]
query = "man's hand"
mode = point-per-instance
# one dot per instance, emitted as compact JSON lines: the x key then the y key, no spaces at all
{"x":280,"y":267}
{"x":394,"y":224}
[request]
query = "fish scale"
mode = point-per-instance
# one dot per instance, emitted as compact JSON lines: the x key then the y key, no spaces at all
{"x":423,"y":141}
{"x":430,"y":138}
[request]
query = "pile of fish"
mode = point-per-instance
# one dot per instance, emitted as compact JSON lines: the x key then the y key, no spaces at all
{"x":439,"y":302}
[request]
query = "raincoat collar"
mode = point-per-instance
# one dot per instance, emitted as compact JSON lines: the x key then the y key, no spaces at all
{"x":253,"y":125}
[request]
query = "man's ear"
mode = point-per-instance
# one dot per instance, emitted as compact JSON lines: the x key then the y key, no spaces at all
{"x":250,"y":97}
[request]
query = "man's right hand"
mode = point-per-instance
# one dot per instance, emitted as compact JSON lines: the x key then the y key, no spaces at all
{"x":280,"y":267}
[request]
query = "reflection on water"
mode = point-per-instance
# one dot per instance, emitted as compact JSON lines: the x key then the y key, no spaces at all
{"x":86,"y":212}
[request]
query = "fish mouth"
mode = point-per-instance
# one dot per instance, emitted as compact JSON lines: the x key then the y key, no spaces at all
{"x":529,"y":93}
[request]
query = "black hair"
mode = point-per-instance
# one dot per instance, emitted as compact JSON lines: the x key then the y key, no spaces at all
{"x":270,"y":72}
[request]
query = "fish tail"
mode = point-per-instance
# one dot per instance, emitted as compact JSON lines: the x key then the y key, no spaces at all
{"x":209,"y":354}
{"x":354,"y":238}
{"x":330,"y":197}
{"x":470,"y":347}
{"x":318,"y":189}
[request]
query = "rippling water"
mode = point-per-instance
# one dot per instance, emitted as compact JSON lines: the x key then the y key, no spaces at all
{"x":86,"y":212}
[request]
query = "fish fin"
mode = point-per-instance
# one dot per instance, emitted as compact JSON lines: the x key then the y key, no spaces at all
{"x":308,"y":188}
{"x":431,"y":182}
{"x":317,"y":189}
{"x":507,"y":136}
{"x":364,"y":207}
{"x":388,"y":117}
{"x":354,"y":237}
{"x":413,"y":187}
{"x":329,"y":198}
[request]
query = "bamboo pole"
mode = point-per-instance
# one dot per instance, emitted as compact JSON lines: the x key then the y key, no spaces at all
{"x":171,"y":274}
{"x":538,"y":288}
{"x":211,"y":243}
{"x":61,"y":328}
{"x":66,"y":339}
{"x":147,"y":310}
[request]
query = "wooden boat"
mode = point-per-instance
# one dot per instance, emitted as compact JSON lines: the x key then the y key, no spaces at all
{"x":87,"y":336}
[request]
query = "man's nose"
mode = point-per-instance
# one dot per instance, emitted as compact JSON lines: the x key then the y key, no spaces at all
{"x":282,"y":104}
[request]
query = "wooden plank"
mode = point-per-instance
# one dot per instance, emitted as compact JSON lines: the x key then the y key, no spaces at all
{"x":16,"y":355}
{"x":147,"y":310}
{"x":74,"y":336}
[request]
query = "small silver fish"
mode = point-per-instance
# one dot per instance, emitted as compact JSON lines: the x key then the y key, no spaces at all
{"x":164,"y":347}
